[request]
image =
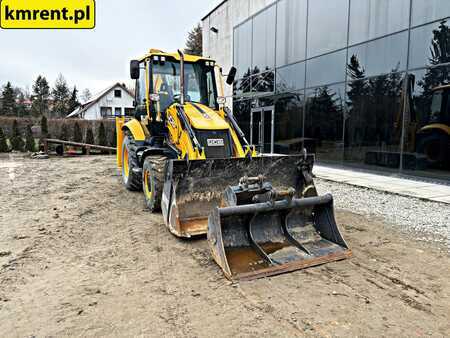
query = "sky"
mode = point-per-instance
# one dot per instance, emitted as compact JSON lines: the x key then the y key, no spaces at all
{"x":97,"y":58}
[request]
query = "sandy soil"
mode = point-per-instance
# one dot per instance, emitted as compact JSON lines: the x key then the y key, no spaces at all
{"x":80,"y":256}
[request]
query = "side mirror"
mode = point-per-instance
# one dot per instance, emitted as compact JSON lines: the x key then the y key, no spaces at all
{"x":134,"y":69}
{"x":231,"y":76}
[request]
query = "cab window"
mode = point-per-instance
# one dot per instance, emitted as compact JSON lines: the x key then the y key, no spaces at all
{"x":141,"y":86}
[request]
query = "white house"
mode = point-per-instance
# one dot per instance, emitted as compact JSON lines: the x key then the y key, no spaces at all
{"x":113,"y":101}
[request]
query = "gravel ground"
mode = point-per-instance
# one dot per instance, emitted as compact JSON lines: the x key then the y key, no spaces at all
{"x":425,"y":220}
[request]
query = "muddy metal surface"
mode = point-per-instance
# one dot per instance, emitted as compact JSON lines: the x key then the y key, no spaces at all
{"x":79,"y":256}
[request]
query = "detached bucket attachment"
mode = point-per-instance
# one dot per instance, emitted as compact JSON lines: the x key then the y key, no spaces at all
{"x":263,"y":232}
{"x":193,"y":189}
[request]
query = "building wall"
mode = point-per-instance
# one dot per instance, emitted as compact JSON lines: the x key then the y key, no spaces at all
{"x":220,"y":45}
{"x":335,"y":71}
{"x":126,"y":101}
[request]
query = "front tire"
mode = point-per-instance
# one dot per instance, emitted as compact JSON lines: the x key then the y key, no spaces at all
{"x":131,"y":180}
{"x":153,"y":181}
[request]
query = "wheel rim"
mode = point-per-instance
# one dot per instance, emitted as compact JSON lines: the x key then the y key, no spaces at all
{"x":125,"y":165}
{"x":147,"y":185}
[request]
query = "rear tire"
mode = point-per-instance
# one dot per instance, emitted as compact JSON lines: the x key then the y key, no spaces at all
{"x":436,"y":148}
{"x":131,"y":180}
{"x":153,"y":181}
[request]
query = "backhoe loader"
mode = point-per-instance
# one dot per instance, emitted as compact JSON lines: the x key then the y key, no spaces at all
{"x":185,"y":150}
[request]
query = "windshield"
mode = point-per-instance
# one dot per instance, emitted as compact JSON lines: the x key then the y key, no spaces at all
{"x":199,"y":83}
{"x":440,"y":107}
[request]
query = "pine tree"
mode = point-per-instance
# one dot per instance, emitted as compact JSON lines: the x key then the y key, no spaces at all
{"x":16,"y":138}
{"x":326,"y":106}
{"x":9,"y":106}
{"x":73,"y":101}
{"x":102,"y":135}
{"x":22,"y":109}
{"x":77,"y":133}
{"x":41,"y":95}
{"x":194,"y":43}
{"x":30,"y":144}
{"x":44,"y":127}
{"x":61,"y":96}
{"x":64,"y":135}
{"x":90,"y":136}
{"x":358,"y":86}
{"x":86,"y":95}
{"x":3,"y":144}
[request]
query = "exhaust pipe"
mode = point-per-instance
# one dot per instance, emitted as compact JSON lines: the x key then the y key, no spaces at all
{"x":181,"y":54}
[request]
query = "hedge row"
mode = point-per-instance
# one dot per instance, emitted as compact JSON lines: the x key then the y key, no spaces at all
{"x":92,"y":132}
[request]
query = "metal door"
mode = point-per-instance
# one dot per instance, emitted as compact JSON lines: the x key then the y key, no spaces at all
{"x":262,"y":128}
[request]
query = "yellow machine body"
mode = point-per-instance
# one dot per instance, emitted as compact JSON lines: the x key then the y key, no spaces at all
{"x":184,"y":149}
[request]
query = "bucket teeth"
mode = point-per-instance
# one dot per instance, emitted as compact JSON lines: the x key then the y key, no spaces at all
{"x":261,"y":232}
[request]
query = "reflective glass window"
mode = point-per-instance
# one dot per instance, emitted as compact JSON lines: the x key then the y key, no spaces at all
{"x":381,"y":56}
{"x":430,"y":106}
{"x":291,"y":78}
{"x":264,"y":41}
{"x":373,"y":121}
{"x":370,"y":19}
{"x":241,"y":111}
{"x":263,"y":83}
{"x":242,"y":86}
{"x":243,"y":48}
{"x":291,"y":31}
{"x":326,"y":69}
{"x":324,"y":121}
{"x":426,"y":106}
{"x":289,"y":124}
{"x":327,"y":26}
{"x":424,"y":11}
{"x":430,"y":45}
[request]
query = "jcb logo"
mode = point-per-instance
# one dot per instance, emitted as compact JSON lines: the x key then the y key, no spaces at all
{"x":47,"y":14}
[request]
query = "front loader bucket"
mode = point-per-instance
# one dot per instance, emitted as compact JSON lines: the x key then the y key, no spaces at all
{"x":193,"y":189}
{"x":257,"y":240}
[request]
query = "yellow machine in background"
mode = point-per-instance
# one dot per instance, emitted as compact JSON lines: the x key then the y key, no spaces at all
{"x":185,"y":150}
{"x":433,"y":140}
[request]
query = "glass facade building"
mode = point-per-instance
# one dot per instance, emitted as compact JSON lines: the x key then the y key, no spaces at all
{"x":353,"y":81}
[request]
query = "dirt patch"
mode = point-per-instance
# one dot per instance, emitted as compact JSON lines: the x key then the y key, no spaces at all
{"x":84,"y":258}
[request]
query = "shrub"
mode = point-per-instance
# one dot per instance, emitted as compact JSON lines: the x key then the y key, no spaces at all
{"x":16,"y":138}
{"x":77,"y":133}
{"x":30,"y":144}
{"x":101,"y":136}
{"x":64,"y":135}
{"x":3,"y":145}
{"x":113,"y":140}
{"x":90,"y":136}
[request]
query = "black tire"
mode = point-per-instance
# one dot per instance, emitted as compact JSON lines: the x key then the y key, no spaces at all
{"x":131,"y":179}
{"x":436,"y":147}
{"x":153,"y":181}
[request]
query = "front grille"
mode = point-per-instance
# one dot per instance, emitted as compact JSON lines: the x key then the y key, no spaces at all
{"x":224,"y":151}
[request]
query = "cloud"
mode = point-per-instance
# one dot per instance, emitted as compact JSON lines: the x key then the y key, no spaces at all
{"x":95,"y":58}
